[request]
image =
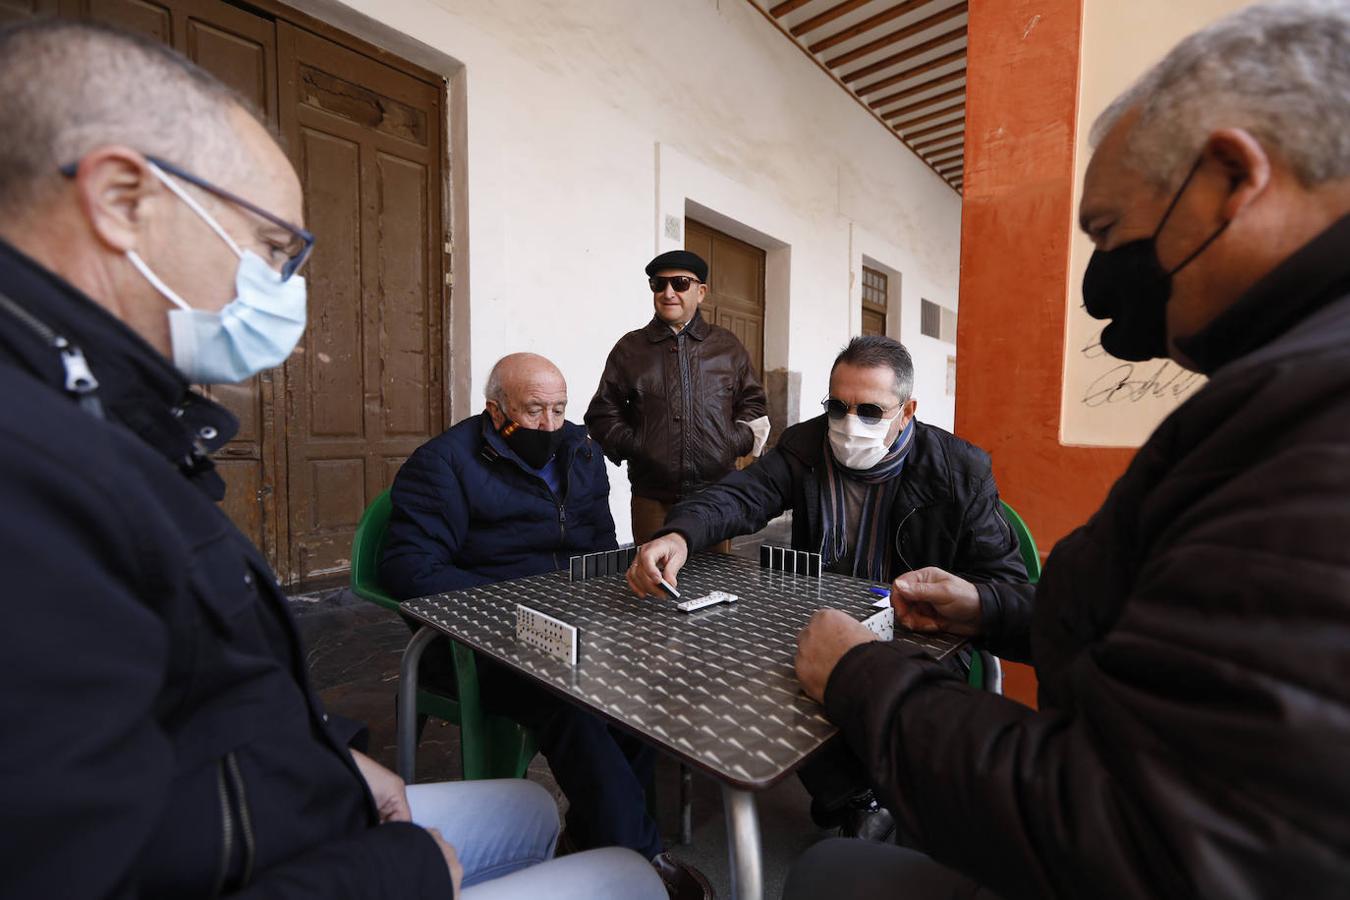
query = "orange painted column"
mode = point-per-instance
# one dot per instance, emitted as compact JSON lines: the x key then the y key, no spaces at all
{"x":1021,"y":109}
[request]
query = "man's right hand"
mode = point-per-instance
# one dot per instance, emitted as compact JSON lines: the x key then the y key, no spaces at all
{"x":933,"y":600}
{"x":451,"y":859}
{"x":663,"y":556}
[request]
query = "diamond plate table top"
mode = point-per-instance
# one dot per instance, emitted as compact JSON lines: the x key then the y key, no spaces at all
{"x":716,"y":688}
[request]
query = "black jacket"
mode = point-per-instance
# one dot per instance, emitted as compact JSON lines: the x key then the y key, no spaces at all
{"x":467,"y":511}
{"x":669,"y":404}
{"x":945,"y":513}
{"x":1192,"y":643}
{"x":160,"y":739}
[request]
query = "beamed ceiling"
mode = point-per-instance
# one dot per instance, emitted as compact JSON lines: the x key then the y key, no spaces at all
{"x":903,"y":60}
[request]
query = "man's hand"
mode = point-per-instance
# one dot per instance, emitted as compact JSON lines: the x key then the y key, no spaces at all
{"x":933,"y":600}
{"x":391,"y":797}
{"x":451,"y":859}
{"x":663,"y":556}
{"x":827,"y":637}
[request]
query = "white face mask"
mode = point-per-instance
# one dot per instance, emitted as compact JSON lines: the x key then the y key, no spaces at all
{"x":856,"y":444}
{"x":256,"y":330}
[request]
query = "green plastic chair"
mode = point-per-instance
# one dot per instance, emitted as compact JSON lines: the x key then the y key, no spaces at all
{"x":985,"y":672}
{"x":490,"y":746}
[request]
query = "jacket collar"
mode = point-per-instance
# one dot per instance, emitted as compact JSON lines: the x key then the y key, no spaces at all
{"x":1312,"y":277}
{"x":925,"y":480}
{"x":138,"y":387}
{"x":658,"y":331}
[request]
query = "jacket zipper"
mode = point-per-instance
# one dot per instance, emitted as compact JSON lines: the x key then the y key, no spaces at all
{"x":687,"y":410}
{"x":245,"y":818}
{"x":227,"y":829}
{"x":80,"y":380}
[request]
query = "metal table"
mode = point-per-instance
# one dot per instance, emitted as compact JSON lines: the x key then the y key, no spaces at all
{"x":714,"y":688}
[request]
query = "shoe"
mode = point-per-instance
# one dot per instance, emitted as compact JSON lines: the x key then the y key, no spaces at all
{"x":868,"y":820}
{"x":682,"y":881}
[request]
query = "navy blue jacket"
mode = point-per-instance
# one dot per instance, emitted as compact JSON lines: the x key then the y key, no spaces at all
{"x":160,"y":738}
{"x":468,"y":511}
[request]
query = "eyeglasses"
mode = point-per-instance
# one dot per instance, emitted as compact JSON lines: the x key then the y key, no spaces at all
{"x":297,"y":249}
{"x":680,"y":283}
{"x":870,"y":413}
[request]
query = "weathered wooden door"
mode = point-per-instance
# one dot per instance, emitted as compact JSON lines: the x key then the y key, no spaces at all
{"x":735,"y":286}
{"x":365,"y":388}
{"x":875,"y":288}
{"x":321,"y":438}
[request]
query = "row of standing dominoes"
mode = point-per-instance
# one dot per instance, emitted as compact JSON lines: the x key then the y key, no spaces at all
{"x":597,"y":565}
{"x":785,"y":559}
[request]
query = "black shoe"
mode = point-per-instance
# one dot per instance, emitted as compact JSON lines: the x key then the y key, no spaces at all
{"x":682,"y":881}
{"x":868,"y":820}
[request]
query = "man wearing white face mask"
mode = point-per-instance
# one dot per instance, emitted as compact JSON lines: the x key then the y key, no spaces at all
{"x":161,"y":738}
{"x":872,"y":489}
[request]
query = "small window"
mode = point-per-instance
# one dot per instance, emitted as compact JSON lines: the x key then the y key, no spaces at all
{"x":874,"y":288}
{"x":937,"y":321}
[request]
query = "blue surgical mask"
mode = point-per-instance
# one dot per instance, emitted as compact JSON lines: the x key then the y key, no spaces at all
{"x":256,"y":330}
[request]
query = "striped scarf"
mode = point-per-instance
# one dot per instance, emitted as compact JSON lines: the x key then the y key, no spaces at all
{"x":872,"y":555}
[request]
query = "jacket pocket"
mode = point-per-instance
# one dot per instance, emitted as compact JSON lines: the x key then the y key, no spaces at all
{"x":237,"y":847}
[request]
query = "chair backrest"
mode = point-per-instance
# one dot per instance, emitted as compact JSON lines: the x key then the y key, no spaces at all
{"x":367,"y":544}
{"x":1025,"y":543}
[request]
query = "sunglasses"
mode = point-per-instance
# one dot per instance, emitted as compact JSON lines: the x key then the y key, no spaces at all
{"x":869,"y":413}
{"x":680,"y":283}
{"x":297,"y":249}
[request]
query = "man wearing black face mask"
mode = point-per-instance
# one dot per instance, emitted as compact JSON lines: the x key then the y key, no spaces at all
{"x":1190,"y":640}
{"x":506,"y":494}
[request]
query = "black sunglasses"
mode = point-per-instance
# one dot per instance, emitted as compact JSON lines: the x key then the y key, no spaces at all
{"x":870,"y":413}
{"x":297,"y":251}
{"x":680,"y":283}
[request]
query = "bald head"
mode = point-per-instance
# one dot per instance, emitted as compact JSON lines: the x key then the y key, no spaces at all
{"x":528,"y":389}
{"x":69,"y":87}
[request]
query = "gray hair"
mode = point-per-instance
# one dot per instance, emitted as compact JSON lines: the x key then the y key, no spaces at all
{"x":67,"y":88}
{"x":874,"y":351}
{"x":495,"y":390}
{"x":1279,"y":70}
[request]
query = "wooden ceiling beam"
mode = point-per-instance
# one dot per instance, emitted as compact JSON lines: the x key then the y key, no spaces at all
{"x":932,"y":116}
{"x":940,"y":81}
{"x":947,"y":154}
{"x":948,"y":59}
{"x":895,"y":59}
{"x":926,"y":102}
{"x":786,"y":7}
{"x":868,"y":24}
{"x":942,"y":143}
{"x":894,"y":37}
{"x":934,"y":129}
{"x":828,"y":16}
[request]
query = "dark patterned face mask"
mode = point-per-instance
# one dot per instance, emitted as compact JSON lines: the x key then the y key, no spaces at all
{"x":534,"y":446}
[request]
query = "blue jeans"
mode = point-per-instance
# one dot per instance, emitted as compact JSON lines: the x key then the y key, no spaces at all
{"x":504,"y":833}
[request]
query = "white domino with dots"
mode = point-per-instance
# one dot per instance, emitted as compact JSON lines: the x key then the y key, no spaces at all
{"x":543,"y":632}
{"x":882,"y":624}
{"x":708,"y":600}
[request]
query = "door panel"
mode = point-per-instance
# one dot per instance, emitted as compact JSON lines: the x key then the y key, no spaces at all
{"x":367,"y":389}
{"x":18,"y":10}
{"x":735,"y":297}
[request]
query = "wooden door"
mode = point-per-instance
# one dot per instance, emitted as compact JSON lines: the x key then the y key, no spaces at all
{"x":322,"y":437}
{"x":365,"y":388}
{"x":735,"y":286}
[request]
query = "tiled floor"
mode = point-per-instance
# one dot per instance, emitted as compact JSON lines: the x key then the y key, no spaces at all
{"x":354,"y":650}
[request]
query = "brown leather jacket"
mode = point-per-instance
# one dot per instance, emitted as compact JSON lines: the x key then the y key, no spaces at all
{"x":668,"y":405}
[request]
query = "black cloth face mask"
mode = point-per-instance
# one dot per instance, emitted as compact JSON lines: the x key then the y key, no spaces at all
{"x":1131,"y":288}
{"x":535,"y":446}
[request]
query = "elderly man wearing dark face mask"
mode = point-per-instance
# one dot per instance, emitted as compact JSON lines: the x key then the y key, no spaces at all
{"x":1191,"y":640}
{"x":877,"y":493}
{"x":161,"y":739}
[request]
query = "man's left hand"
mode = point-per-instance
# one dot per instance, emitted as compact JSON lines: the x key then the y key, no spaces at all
{"x":391,"y":796}
{"x":820,"y":645}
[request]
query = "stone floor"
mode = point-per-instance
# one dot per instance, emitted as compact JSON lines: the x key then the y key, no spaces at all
{"x":353,"y":652}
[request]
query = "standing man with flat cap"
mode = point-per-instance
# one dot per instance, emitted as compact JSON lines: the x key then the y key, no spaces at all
{"x":678,"y":399}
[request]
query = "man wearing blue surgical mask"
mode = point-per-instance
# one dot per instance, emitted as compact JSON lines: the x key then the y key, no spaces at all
{"x":161,"y":738}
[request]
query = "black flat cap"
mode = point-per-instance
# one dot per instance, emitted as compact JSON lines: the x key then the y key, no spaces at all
{"x":679,"y":259}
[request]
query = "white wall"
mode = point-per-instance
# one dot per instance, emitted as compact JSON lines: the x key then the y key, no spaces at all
{"x":589,"y":122}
